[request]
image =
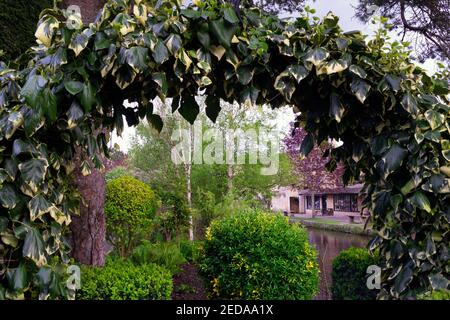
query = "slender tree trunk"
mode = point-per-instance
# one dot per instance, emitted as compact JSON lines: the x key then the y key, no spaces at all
{"x":88,"y":229}
{"x":230,"y":176}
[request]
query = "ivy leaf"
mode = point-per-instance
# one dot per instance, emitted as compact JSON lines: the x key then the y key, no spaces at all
{"x":48,"y":104}
{"x":393,"y":81}
{"x":80,"y":41}
{"x":298,"y":72}
{"x":307,"y":145}
{"x":38,"y":206}
{"x":360,"y":89}
{"x":32,"y":89}
{"x":249,"y":96}
{"x":212,"y":107}
{"x":73,"y":87}
{"x":316,"y":56}
{"x":33,"y":172}
{"x":409,"y":103}
{"x":285,"y":85}
{"x":244,"y":74}
{"x":74,"y":114}
{"x":438,"y":281}
{"x":156,"y":121}
{"x":203,"y":35}
{"x":17,"y":277}
{"x":434,"y":118}
{"x":34,"y":247}
{"x":335,"y":66}
{"x":160,"y":53}
{"x":223,"y":31}
{"x":421,"y":201}
{"x":336,"y":108}
{"x":137,"y":58}
{"x":189,"y":108}
{"x":9,"y":197}
{"x":403,"y":279}
{"x":45,"y":30}
{"x":160,"y":79}
{"x":342,"y":44}
{"x":87,"y":97}
{"x":230,"y":15}
{"x":174,"y":43}
{"x":358,"y":71}
{"x":393,"y":159}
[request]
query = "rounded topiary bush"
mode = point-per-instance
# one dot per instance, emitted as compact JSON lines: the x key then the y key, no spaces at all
{"x":120,"y":280}
{"x":255,"y":255}
{"x":349,"y":275}
{"x":130,"y":207}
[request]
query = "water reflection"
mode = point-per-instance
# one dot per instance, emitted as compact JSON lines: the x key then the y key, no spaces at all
{"x":329,"y":244}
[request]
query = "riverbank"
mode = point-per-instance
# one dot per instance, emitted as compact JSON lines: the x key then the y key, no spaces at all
{"x":333,"y":225}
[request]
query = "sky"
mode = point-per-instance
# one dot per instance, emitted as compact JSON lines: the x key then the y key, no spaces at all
{"x":344,"y":9}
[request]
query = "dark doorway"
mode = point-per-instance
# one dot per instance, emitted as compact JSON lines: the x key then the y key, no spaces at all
{"x":324,"y":205}
{"x":294,"y":205}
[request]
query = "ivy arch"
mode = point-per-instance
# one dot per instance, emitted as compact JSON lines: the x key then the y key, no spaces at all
{"x":392,"y":117}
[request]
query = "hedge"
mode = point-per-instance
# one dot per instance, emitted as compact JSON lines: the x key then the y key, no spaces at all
{"x":18,"y":21}
{"x":255,"y":255}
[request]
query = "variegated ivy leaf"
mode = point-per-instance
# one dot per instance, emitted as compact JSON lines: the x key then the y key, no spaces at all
{"x":59,"y":216}
{"x":160,"y":79}
{"x":33,"y":172}
{"x":298,"y":72}
{"x":80,"y":41}
{"x":160,"y":53}
{"x":173,"y":43}
{"x":285,"y":85}
{"x":137,"y":58}
{"x":34,"y":247}
{"x":124,"y":23}
{"x":45,"y":30}
{"x":184,"y":58}
{"x":316,"y":56}
{"x":336,"y":107}
{"x":9,"y":197}
{"x":38,"y":206}
{"x":140,"y":12}
{"x":85,"y":168}
{"x":9,"y":238}
{"x":358,"y":71}
{"x":360,"y":89}
{"x":74,"y":114}
{"x":434,"y":118}
{"x":335,"y":66}
{"x":217,"y":51}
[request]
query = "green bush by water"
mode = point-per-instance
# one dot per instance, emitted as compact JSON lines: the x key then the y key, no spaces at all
{"x":349,"y":275}
{"x":256,"y":255}
{"x":120,"y":280}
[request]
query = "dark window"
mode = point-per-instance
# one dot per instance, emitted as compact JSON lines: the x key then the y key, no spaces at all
{"x":346,"y":202}
{"x":316,"y":202}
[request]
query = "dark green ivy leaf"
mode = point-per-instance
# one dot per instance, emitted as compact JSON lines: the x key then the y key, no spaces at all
{"x":307,"y":145}
{"x":393,"y":159}
{"x":223,"y":31}
{"x":34,"y":247}
{"x":212,"y":107}
{"x":32,"y":89}
{"x":336,"y":108}
{"x":230,"y":15}
{"x":17,"y":277}
{"x":189,"y":108}
{"x":9,"y":196}
{"x":88,"y":97}
{"x":73,"y":87}
{"x":360,"y":88}
{"x":137,"y":58}
{"x":160,"y":53}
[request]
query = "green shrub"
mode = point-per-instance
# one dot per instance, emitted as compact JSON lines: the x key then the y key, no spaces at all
{"x":256,"y":255}
{"x":130,"y":207}
{"x":190,"y":249}
{"x":436,"y":295}
{"x":349,"y":275}
{"x":164,"y":254}
{"x":120,"y":280}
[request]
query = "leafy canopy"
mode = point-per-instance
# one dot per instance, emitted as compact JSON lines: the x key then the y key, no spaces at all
{"x":392,"y":117}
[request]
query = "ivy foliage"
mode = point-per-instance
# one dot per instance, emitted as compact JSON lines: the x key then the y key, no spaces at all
{"x":392,"y":117}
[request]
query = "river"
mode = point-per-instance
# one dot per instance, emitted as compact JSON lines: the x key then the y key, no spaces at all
{"x":328,"y":244}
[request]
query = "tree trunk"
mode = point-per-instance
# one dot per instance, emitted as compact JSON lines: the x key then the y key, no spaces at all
{"x":88,"y":229}
{"x":230,"y":175}
{"x":313,"y":205}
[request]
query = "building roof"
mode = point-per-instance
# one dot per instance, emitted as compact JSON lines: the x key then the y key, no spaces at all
{"x":354,"y":189}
